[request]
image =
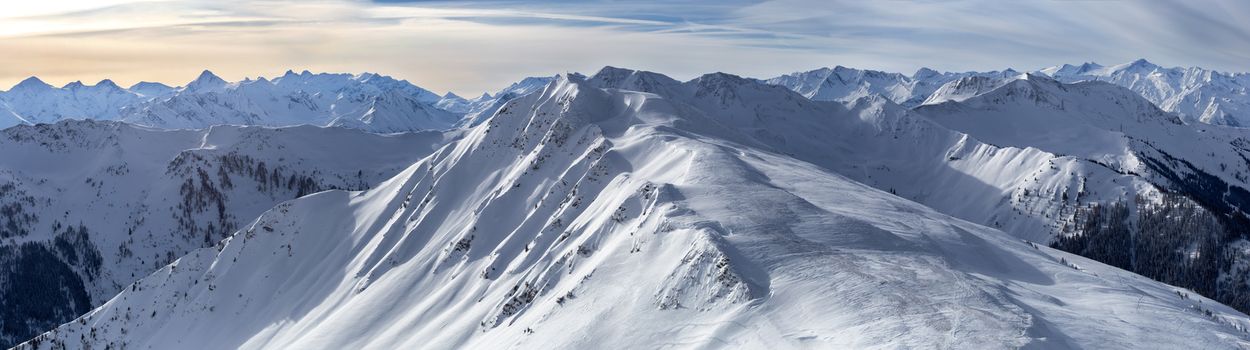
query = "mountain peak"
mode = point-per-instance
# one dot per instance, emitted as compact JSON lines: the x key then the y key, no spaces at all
{"x":1088,"y":66}
{"x":206,"y":80}
{"x":924,"y":73}
{"x":207,"y":74}
{"x":1139,"y":64}
{"x":722,"y":78}
{"x":77,"y":84}
{"x":629,"y":79}
{"x":1068,"y":70}
{"x":612,"y":71}
{"x":971,"y":86}
{"x":143,"y":85}
{"x":107,"y":83}
{"x":31,"y":83}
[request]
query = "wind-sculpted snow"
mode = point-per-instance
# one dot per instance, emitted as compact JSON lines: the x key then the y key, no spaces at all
{"x":588,"y":215}
{"x":88,"y":207}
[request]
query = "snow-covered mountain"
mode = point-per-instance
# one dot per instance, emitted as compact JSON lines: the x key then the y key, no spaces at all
{"x":1047,"y":162}
{"x":476,"y":110}
{"x":1173,"y":208}
{"x":88,"y":207}
{"x":33,"y":101}
{"x":1090,"y":167}
{"x":630,"y":209}
{"x":368,"y":101}
{"x":1197,"y":94}
{"x":848,"y":84}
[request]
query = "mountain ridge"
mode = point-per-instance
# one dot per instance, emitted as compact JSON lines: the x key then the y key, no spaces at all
{"x":366,"y":101}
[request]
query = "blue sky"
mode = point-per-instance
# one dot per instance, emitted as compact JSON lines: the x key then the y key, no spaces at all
{"x":474,"y":46}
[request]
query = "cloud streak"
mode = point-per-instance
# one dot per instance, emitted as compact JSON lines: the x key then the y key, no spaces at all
{"x":473,"y":46}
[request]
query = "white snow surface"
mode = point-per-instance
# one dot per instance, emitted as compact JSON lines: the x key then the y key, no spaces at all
{"x":148,"y":196}
{"x":629,"y":210}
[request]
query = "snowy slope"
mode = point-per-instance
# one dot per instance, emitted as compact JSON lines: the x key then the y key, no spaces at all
{"x":590,"y":215}
{"x":879,"y":143}
{"x":1197,"y":94}
{"x":478,"y":109}
{"x":1175,"y":210}
{"x":1041,"y":160}
{"x":91,"y":206}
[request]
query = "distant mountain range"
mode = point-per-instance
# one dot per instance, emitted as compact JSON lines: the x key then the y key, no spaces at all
{"x":369,"y":102}
{"x":382,"y":104}
{"x":1196,"y":94}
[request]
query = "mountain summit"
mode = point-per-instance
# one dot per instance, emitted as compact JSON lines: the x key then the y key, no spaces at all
{"x":207,"y":81}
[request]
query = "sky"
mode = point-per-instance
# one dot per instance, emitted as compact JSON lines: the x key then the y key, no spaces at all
{"x":472,"y":46}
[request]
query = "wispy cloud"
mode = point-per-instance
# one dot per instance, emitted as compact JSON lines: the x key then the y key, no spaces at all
{"x":471,"y":46}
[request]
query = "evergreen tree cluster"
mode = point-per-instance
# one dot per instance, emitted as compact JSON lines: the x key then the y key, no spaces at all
{"x":41,"y":284}
{"x":1175,"y":241}
{"x":203,"y":190}
{"x":16,"y":217}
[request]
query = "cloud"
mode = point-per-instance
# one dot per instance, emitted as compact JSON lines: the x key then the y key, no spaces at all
{"x":473,"y":46}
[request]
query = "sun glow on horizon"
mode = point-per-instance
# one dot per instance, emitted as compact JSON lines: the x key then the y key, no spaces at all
{"x":472,"y":47}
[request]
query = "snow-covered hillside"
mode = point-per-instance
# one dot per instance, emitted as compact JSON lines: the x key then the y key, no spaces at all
{"x":478,"y":109}
{"x":1175,"y":210}
{"x":90,"y":206}
{"x":1197,"y":94}
{"x":687,"y":214}
{"x":1089,"y":167}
